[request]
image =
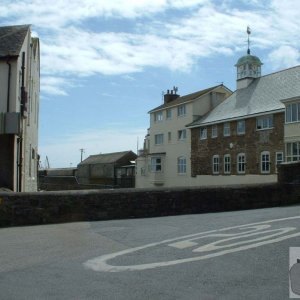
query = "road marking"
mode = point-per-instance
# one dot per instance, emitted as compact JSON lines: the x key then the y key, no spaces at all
{"x":254,"y":229}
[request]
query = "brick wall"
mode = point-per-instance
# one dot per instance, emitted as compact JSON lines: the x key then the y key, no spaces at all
{"x":252,"y":143}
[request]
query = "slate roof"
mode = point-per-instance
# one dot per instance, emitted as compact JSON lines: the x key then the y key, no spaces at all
{"x":11,"y":39}
{"x":263,"y":95}
{"x":107,"y":158}
{"x":187,"y":98}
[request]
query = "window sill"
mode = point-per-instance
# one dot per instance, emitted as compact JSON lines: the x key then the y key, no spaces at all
{"x":262,"y":129}
{"x":292,"y":122}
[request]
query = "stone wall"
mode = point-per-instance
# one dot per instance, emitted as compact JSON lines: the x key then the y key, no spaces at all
{"x":252,"y":143}
{"x":72,"y":206}
{"x":289,"y":172}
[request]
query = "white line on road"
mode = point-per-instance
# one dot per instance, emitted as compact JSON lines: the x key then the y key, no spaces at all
{"x":100,"y":263}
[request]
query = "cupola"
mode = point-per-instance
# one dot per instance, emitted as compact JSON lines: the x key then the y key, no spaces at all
{"x":248,"y":67}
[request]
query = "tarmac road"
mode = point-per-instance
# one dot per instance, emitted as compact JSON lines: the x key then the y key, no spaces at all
{"x":231,"y":255}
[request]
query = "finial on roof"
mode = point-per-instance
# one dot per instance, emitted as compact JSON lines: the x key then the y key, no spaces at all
{"x":248,"y":32}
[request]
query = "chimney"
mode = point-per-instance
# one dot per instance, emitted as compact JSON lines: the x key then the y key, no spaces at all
{"x":170,"y":96}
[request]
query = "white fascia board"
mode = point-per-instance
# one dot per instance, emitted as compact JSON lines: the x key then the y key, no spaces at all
{"x":290,"y":99}
{"x":269,"y":112}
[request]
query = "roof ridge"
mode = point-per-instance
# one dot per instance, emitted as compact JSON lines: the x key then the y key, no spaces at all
{"x":276,"y":72}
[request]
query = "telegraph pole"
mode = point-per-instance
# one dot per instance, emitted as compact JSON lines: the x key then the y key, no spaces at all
{"x":81,"y":153}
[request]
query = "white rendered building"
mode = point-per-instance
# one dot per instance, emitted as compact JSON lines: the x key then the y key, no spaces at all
{"x":165,"y":160}
{"x":19,"y":107}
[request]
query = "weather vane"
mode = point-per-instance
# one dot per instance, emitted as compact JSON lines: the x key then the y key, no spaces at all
{"x":248,"y":32}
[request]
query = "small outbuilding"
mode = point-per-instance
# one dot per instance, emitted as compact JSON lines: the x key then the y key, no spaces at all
{"x":111,"y":169}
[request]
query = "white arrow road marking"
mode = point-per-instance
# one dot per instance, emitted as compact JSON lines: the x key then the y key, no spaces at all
{"x":277,"y":235}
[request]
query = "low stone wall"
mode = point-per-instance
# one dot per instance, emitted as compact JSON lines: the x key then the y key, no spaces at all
{"x":70,"y":206}
{"x":289,"y":172}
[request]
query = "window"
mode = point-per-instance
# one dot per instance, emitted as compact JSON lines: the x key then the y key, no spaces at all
{"x":169,"y":136}
{"x":215,"y":164}
{"x":158,"y":116}
{"x":182,"y":134}
{"x":181,"y":110}
{"x":227,"y":164}
{"x":226,"y":129}
{"x":279,"y":159}
{"x":159,"y":139}
{"x":203,"y":133}
{"x":293,"y":151}
{"x":241,"y":127}
{"x":264,"y":122}
{"x":181,"y":165}
{"x":241,"y":163}
{"x":214,"y":131}
{"x":156,"y":164}
{"x":265,"y":162}
{"x":169,"y":113}
{"x":292,"y":112}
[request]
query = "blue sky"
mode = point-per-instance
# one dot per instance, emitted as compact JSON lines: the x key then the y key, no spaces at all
{"x":105,"y":63}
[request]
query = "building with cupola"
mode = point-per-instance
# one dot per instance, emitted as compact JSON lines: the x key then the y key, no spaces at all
{"x":216,"y":137}
{"x":245,"y":138}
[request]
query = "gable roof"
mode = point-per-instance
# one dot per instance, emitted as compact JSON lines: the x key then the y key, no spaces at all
{"x":187,"y":98}
{"x":12,"y":39}
{"x":263,"y":95}
{"x":106,"y":158}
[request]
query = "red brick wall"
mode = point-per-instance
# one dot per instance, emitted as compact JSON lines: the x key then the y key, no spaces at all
{"x":252,"y":143}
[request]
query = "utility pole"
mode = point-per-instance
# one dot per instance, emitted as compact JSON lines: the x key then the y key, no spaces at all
{"x":81,"y":153}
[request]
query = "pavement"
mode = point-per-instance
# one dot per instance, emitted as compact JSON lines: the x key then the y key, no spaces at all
{"x":228,"y":255}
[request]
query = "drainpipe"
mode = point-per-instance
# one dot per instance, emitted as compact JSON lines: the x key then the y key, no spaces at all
{"x":20,"y":162}
{"x":8,"y":85}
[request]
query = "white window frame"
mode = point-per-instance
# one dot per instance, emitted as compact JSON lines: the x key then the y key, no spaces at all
{"x":241,"y":127}
{"x":156,"y":164}
{"x":292,"y":151}
{"x":227,"y":164}
{"x":181,"y":165}
{"x":264,"y":122}
{"x":265,"y":162}
{"x":158,"y":116}
{"x":216,"y":164}
{"x":241,"y":163}
{"x":226,"y":129}
{"x":181,"y":110}
{"x":182,"y":135}
{"x":203,"y":133}
{"x":169,"y":136}
{"x":214,"y":131}
{"x":159,"y":139}
{"x":292,"y":112}
{"x":169,"y":113}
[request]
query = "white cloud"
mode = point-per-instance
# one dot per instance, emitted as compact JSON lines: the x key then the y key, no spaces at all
{"x":46,"y":14}
{"x":55,"y":85}
{"x":284,"y":56}
{"x":93,"y":141}
{"x":208,"y":29}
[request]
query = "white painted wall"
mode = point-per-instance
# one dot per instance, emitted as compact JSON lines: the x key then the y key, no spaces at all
{"x":292,"y":132}
{"x":174,"y":148}
{"x":29,"y":125}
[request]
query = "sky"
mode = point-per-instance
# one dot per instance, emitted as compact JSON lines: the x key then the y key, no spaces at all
{"x":106,"y":63}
